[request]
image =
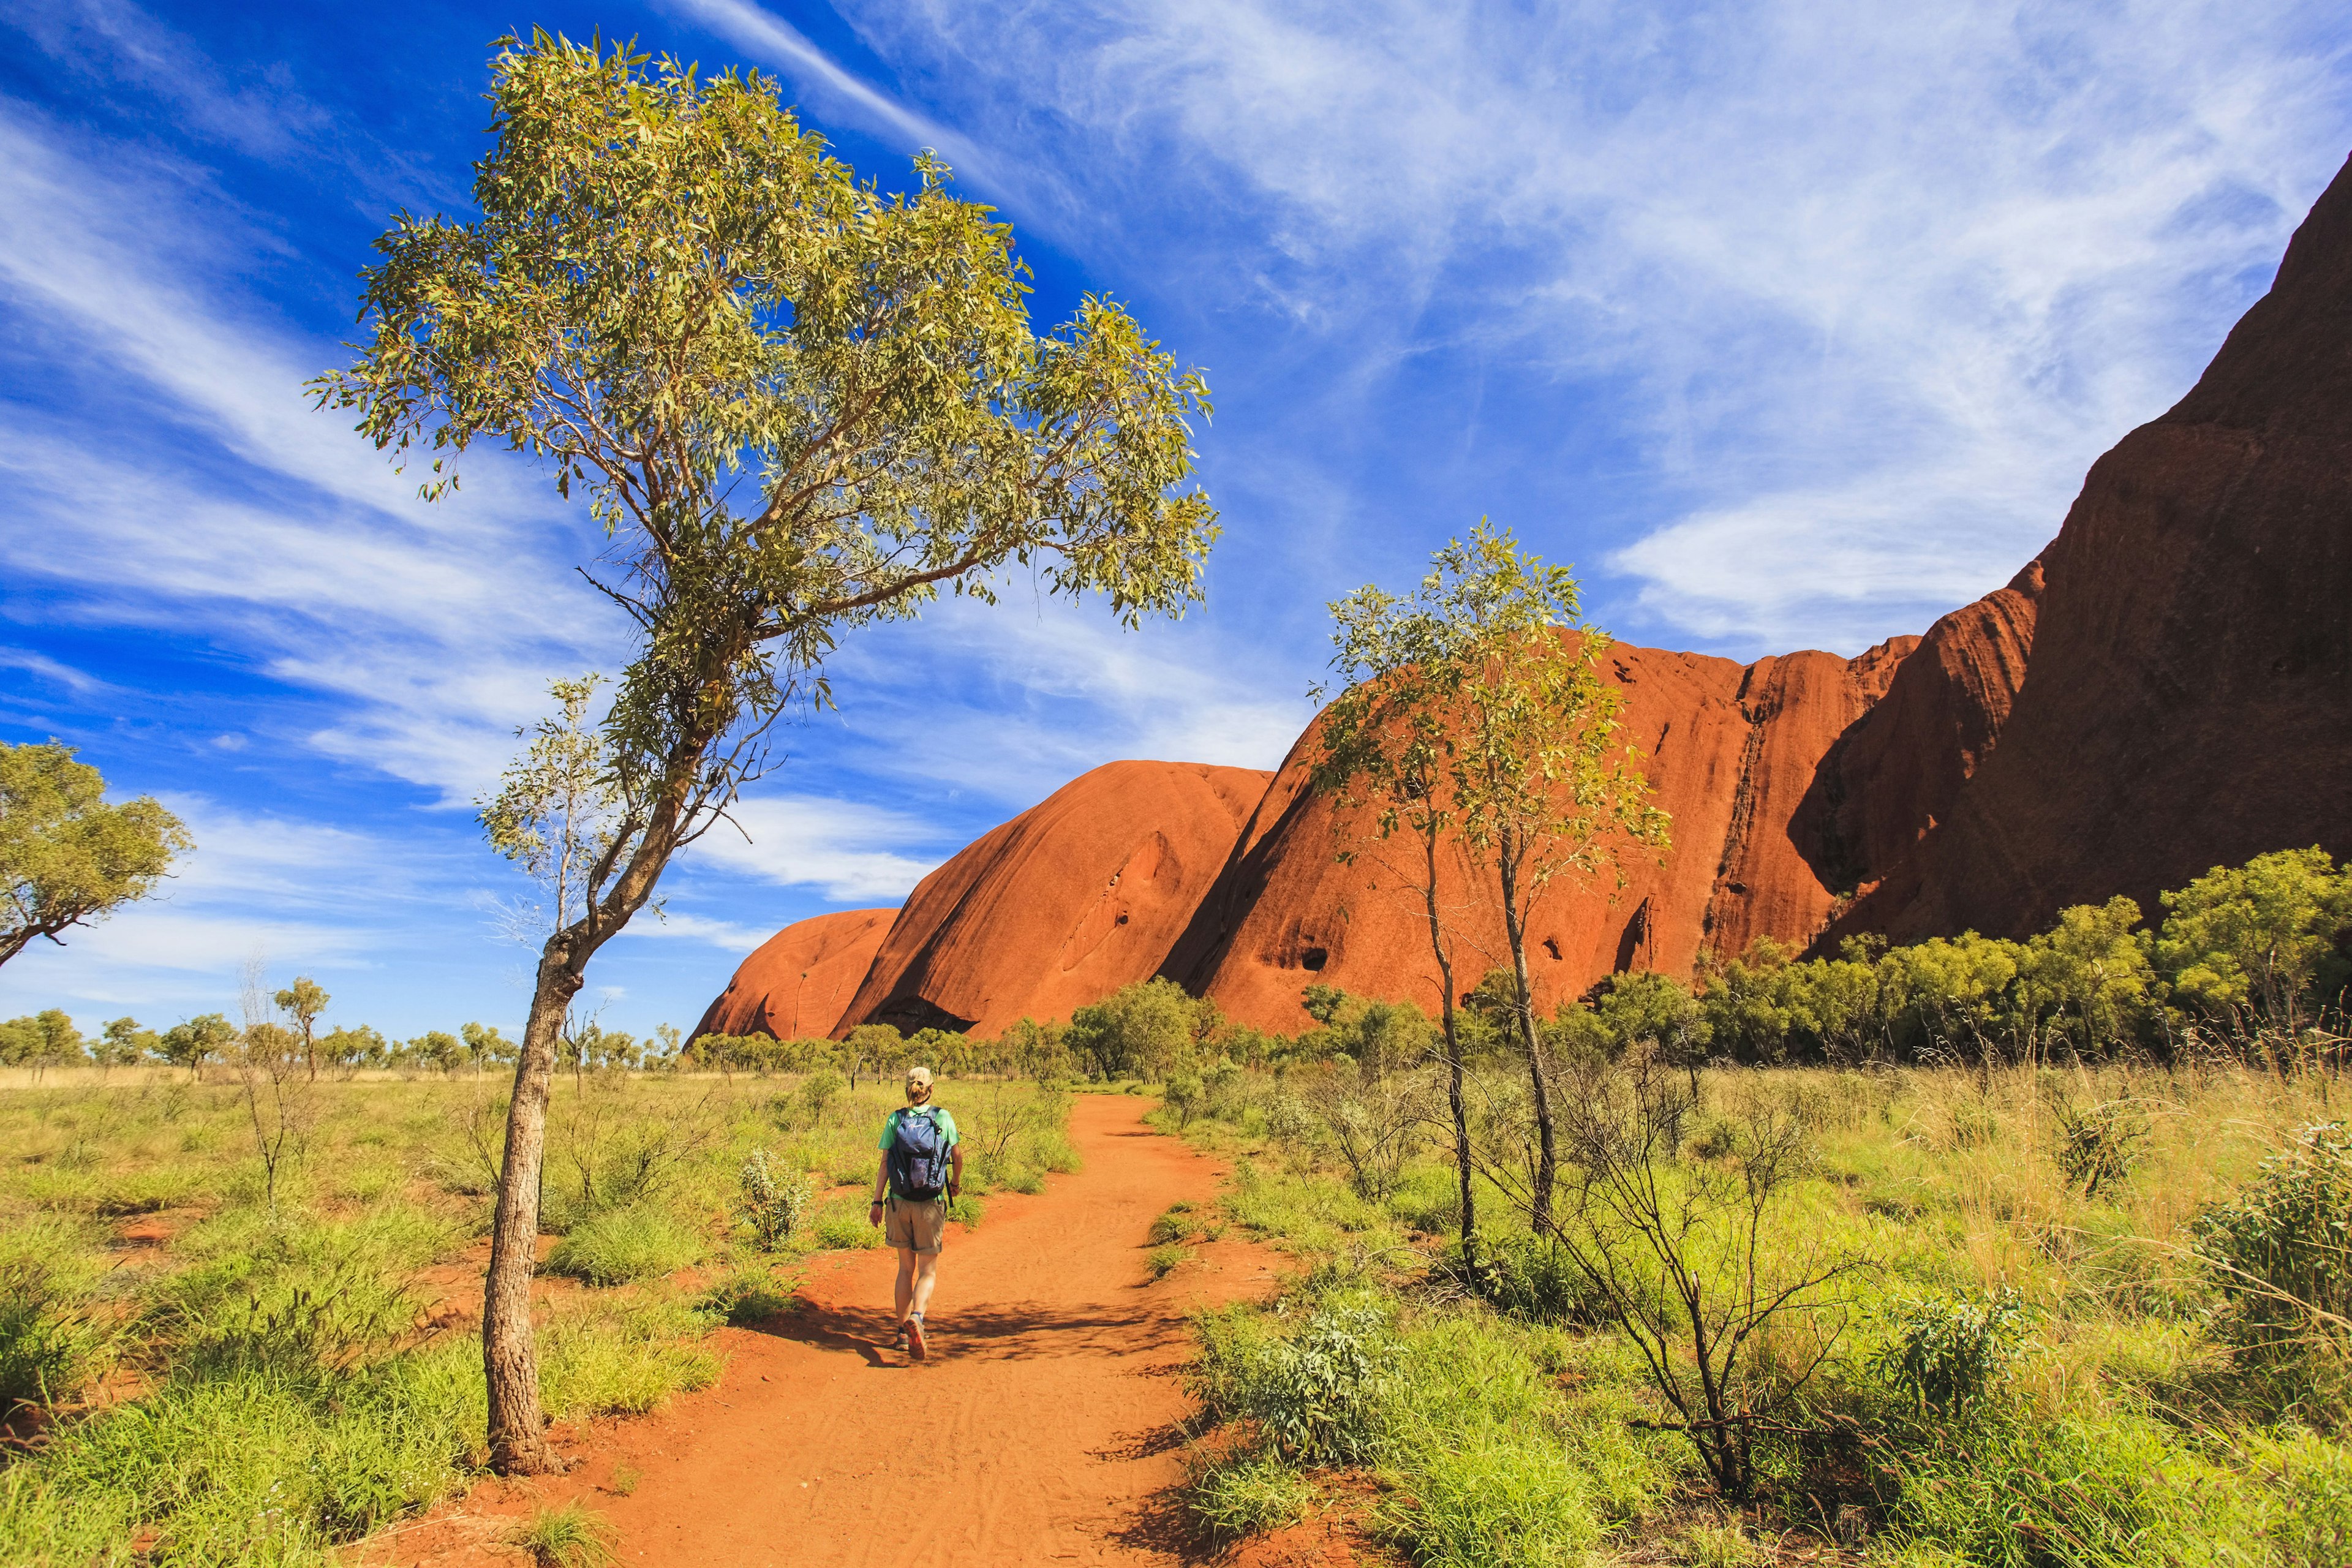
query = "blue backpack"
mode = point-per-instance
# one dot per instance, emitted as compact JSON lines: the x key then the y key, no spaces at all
{"x":919,"y":1155}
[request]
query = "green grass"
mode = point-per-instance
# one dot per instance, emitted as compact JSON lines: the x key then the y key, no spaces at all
{"x":2127,"y":1426}
{"x":621,"y":1247}
{"x":288,"y":1403}
{"x":1249,"y":1495}
{"x":567,"y":1536}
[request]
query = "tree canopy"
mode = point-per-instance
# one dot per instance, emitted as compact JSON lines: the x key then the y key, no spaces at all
{"x":66,"y":857}
{"x":795,"y":405}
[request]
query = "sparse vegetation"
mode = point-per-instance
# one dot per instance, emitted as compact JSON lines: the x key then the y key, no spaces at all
{"x":289,"y":1378}
{"x":2069,"y":1290}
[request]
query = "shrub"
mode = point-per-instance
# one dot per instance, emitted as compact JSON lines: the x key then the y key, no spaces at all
{"x":1947,"y":1353}
{"x":620,"y":1246}
{"x":1536,"y":1280}
{"x":822,"y":1087}
{"x":2279,"y":1251}
{"x":2098,"y":1147}
{"x":1317,"y":1396}
{"x":772,"y":1206}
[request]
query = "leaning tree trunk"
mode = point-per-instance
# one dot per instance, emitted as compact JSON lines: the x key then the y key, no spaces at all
{"x":510,"y":1350}
{"x":1531,"y":1039}
{"x":1453,"y":1097}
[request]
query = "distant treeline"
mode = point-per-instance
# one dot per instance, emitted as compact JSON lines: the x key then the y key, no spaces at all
{"x":2246,"y":959}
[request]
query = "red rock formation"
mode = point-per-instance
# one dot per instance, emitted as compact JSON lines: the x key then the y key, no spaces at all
{"x":1734,"y":753}
{"x":2190,"y":699}
{"x":1899,"y":770}
{"x":1064,"y":904}
{"x":795,"y":985}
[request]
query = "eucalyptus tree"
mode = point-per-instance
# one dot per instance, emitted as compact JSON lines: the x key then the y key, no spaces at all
{"x":1475,"y":713}
{"x":1381,"y":746}
{"x":66,"y":857}
{"x":795,"y":405}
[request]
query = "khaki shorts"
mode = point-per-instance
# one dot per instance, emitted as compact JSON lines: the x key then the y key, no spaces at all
{"x":920,"y":1226}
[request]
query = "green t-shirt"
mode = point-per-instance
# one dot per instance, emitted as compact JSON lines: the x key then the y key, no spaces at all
{"x":940,"y":1116}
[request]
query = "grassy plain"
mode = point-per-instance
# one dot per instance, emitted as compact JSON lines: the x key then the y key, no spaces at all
{"x":200,"y":1370}
{"x":2012,"y":1365}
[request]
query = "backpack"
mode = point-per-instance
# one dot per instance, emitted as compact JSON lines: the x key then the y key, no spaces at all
{"x":918,"y":1156}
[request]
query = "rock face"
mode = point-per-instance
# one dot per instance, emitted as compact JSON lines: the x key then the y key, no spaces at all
{"x":1736,"y":754}
{"x":795,"y":985}
{"x":2189,"y":698}
{"x":1064,"y":904}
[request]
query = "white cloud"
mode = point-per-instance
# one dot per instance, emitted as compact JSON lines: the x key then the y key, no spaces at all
{"x":725,"y":934}
{"x":1886,"y":278}
{"x":853,"y":852}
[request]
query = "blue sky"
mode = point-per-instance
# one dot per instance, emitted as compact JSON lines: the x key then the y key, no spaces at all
{"x":1789,"y":324}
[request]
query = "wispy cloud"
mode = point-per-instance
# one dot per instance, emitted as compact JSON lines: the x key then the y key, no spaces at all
{"x":853,"y":852}
{"x":1865,"y":288}
{"x":769,"y":38}
{"x":726,"y":935}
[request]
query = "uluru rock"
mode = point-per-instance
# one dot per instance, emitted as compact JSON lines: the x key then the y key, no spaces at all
{"x":2189,"y":699}
{"x":795,"y":985}
{"x":1733,"y":753}
{"x":1073,"y":899}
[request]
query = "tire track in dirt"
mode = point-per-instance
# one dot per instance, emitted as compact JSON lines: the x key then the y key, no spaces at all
{"x":1040,"y":1432}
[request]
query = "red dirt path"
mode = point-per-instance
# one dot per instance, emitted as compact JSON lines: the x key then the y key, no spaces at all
{"x":1040,"y":1432}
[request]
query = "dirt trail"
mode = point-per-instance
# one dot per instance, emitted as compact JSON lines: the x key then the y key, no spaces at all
{"x":1038,"y":1433}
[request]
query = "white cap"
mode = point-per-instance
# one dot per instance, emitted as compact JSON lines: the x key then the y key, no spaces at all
{"x":920,"y":1075}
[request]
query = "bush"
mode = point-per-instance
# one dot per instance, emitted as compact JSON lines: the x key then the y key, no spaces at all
{"x":772,"y":1206}
{"x":1536,"y":1280}
{"x":1317,"y":1396}
{"x":2279,"y":1252}
{"x":1947,"y":1354}
{"x":620,"y":1246}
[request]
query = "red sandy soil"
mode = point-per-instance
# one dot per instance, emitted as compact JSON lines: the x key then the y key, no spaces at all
{"x":1042,"y":1429}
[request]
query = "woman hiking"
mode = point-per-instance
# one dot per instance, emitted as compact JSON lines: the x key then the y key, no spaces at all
{"x":922,"y":1170}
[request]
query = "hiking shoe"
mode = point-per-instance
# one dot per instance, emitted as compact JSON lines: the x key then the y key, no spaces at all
{"x":900,"y":1342}
{"x":915,"y":1345}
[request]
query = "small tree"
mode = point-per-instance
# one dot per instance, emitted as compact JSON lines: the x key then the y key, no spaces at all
{"x":1383,"y":747}
{"x":199,"y":1040}
{"x":125,"y":1044}
{"x":279,"y":1086}
{"x":301,"y":1002}
{"x":1496,"y":715}
{"x":44,"y":1040}
{"x":1145,"y":1030}
{"x":798,"y":406}
{"x":2257,"y":945}
{"x":1696,"y":1260}
{"x":66,"y":857}
{"x":485,"y":1044}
